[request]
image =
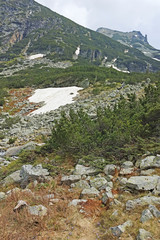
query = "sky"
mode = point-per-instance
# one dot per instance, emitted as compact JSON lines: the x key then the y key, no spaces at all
{"x":121,"y":15}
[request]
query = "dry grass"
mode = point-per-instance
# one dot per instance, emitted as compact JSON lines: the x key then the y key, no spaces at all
{"x":61,"y":222}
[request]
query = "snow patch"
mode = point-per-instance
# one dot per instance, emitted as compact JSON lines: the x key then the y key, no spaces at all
{"x":53,"y":98}
{"x":156,"y":59}
{"x":114,"y":60}
{"x":32,"y":57}
{"x":111,"y":65}
{"x":77,"y":52}
{"x":120,"y":69}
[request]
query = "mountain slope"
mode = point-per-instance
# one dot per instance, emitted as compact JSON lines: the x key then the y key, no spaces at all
{"x":133,"y":39}
{"x":28,"y":28}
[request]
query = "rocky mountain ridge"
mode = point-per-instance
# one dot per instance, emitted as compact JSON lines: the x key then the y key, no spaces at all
{"x":133,"y":39}
{"x":29,"y":28}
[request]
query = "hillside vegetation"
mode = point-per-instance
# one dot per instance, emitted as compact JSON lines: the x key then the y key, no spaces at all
{"x":131,"y":128}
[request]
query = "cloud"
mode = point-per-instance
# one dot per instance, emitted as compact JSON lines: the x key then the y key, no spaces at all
{"x":122,"y":15}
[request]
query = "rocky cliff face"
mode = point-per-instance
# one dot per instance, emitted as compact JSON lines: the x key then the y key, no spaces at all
{"x":28,"y":28}
{"x":133,"y":39}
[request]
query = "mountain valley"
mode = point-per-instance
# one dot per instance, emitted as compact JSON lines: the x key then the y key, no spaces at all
{"x":79,"y":129}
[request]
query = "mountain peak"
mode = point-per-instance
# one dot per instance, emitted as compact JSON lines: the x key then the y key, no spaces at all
{"x":133,"y":39}
{"x":28,"y":28}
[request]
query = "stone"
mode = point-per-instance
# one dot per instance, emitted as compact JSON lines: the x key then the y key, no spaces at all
{"x":146,"y":215}
{"x":118,"y":230}
{"x":107,"y":196}
{"x":144,"y":235}
{"x":157,"y":189}
{"x":14,"y":151}
{"x":80,"y":184}
{"x":150,"y":162}
{"x":2,"y":196}
{"x":37,"y":210}
{"x":89,"y":192}
{"x":123,"y":181}
{"x":126,"y":171}
{"x":143,"y":201}
{"x":70,"y":179}
{"x":82,"y":170}
{"x":142,"y":183}
{"x":115,"y":213}
{"x":75,"y":202}
{"x":30,"y":173}
{"x":98,"y":182}
{"x":127,"y":164}
{"x":154,"y":211}
{"x":12,"y":178}
{"x":13,"y":191}
{"x":21,"y":204}
{"x":110,"y":169}
{"x":147,"y":172}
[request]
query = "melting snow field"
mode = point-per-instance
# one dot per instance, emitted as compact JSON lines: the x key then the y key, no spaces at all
{"x":53,"y":98}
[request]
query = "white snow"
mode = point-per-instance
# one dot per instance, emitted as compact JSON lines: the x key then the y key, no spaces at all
{"x":53,"y":98}
{"x":32,"y":57}
{"x":120,"y":69}
{"x":77,"y":52}
{"x":126,"y":51}
{"x":114,"y":60}
{"x":136,"y":35}
{"x":156,"y":59}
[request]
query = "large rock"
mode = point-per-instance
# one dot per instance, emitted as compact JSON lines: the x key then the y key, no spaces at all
{"x":75,"y":202}
{"x":30,"y":173}
{"x":80,"y":184}
{"x":143,"y":201}
{"x":12,"y":178}
{"x":143,"y":183}
{"x":110,"y":169}
{"x":82,"y":170}
{"x":2,"y":196}
{"x":21,"y":204}
{"x":37,"y":210}
{"x":154,"y":211}
{"x":150,"y":162}
{"x":118,"y":230}
{"x":89,"y":193}
{"x":127,"y":164}
{"x":14,"y":151}
{"x":146,"y":215}
{"x":70,"y":179}
{"x":107,"y":196}
{"x":98,"y":182}
{"x":144,"y":235}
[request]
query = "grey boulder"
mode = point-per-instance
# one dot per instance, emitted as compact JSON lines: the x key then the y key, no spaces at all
{"x":12,"y":178}
{"x":143,"y":201}
{"x":2,"y":196}
{"x":14,"y":151}
{"x":146,"y":215}
{"x":37,"y":210}
{"x":89,"y":193}
{"x":82,"y":170}
{"x":118,"y":230}
{"x":143,"y":183}
{"x":30,"y":173}
{"x":144,"y":235}
{"x":150,"y":162}
{"x":70,"y":179}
